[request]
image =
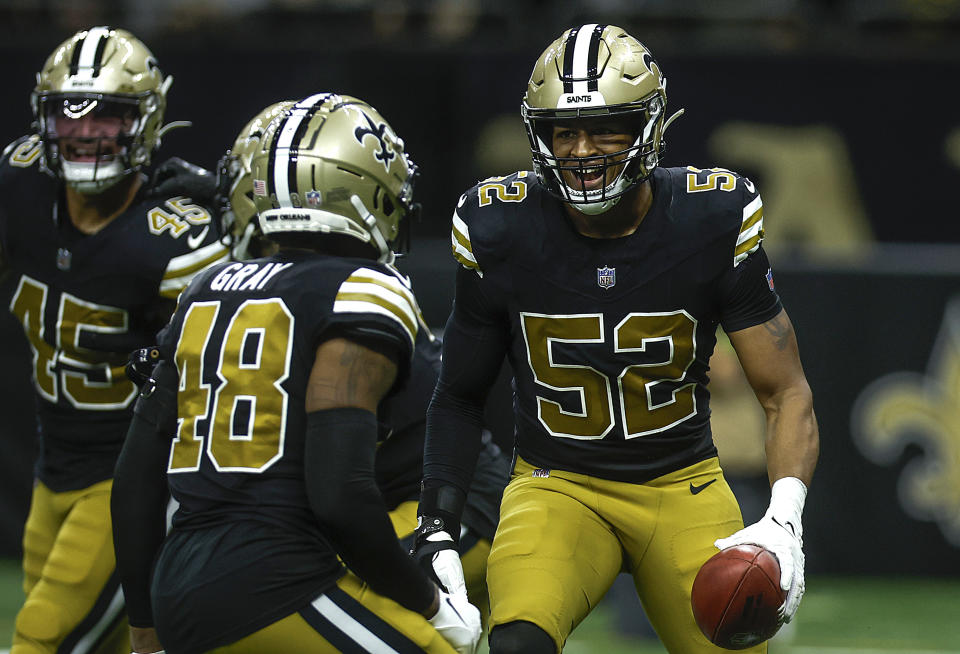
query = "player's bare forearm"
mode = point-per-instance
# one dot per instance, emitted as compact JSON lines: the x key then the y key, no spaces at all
{"x":793,"y":441}
{"x":771,"y":361}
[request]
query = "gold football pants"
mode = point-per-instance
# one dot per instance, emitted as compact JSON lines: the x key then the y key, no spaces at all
{"x":474,"y":560}
{"x":348,"y":618}
{"x":73,"y":599}
{"x":563,"y":538}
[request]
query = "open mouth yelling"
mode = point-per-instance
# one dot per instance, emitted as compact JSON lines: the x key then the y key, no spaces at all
{"x":585,"y":179}
{"x":83,"y":151}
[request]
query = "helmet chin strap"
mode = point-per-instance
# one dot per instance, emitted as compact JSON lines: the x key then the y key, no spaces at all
{"x":596,"y":208}
{"x":386,"y":254}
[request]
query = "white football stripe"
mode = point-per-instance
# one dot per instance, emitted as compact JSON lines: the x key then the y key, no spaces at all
{"x":581,"y":57}
{"x":401,"y":302}
{"x":359,"y":306}
{"x":751,"y":209}
{"x":89,"y":50}
{"x":89,"y":640}
{"x":747,"y":234}
{"x":346,"y":623}
{"x":399,"y":285}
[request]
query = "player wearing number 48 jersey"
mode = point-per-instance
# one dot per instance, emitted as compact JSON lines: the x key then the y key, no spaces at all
{"x":603,"y":278}
{"x":97,"y":256}
{"x":263,"y":421}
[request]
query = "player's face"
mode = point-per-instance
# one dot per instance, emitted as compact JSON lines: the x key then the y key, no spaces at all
{"x":584,"y":146}
{"x":89,"y":129}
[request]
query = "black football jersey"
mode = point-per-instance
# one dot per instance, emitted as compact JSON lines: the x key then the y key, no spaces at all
{"x":86,"y":301}
{"x":244,"y":339}
{"x":609,"y":339}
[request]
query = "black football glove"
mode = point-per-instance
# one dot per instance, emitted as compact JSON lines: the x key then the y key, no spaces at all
{"x":178,"y":177}
{"x":140,"y":365}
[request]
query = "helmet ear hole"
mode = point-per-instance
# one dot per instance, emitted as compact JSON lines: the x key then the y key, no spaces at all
{"x":387,"y":206}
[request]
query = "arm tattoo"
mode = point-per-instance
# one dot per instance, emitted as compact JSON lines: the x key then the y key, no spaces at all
{"x":362,"y":372}
{"x":779,"y":329}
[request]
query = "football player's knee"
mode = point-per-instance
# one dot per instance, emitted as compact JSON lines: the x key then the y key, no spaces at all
{"x":39,"y":622}
{"x":521,"y":638}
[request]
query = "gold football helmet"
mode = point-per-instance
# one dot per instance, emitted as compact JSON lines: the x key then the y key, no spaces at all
{"x":235,"y":185}
{"x":332,"y":165}
{"x":596,"y":70}
{"x":98,"y":106}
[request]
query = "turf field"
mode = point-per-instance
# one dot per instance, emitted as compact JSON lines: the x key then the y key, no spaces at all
{"x":838,"y":616}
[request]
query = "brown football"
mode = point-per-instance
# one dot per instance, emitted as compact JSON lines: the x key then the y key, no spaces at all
{"x":736,"y":595}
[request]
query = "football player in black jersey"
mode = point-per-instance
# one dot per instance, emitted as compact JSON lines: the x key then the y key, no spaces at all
{"x":262,"y":420}
{"x":603,"y":278}
{"x":97,"y":260}
{"x":402,"y":416}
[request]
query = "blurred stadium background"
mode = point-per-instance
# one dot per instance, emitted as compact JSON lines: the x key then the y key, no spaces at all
{"x":838,"y":109}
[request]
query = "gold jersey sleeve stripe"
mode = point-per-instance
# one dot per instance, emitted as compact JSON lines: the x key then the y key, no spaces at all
{"x":368,"y":291}
{"x":194,"y":261}
{"x":180,"y":270}
{"x":751,"y":231}
{"x":462,"y":248}
{"x":395,"y":283}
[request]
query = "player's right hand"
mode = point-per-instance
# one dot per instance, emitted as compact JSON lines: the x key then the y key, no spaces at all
{"x":458,"y":622}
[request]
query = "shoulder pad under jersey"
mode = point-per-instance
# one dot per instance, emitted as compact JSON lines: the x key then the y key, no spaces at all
{"x":24,"y":152}
{"x":486,"y":215}
{"x":375,"y":297}
{"x":716,"y":202}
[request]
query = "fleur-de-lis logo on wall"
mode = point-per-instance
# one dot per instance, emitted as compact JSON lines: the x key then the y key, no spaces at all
{"x":922,"y":409}
{"x":385,"y":153}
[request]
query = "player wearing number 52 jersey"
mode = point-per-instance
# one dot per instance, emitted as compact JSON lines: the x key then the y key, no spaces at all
{"x":263,"y":421}
{"x":603,"y":278}
{"x":97,"y":259}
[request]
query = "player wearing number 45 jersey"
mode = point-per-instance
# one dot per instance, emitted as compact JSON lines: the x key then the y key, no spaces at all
{"x":97,"y":257}
{"x":262,"y":419}
{"x":603,"y":277}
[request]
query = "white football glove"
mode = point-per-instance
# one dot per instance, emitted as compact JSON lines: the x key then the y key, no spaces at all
{"x":458,"y":621}
{"x":446,"y":564}
{"x":781,"y":532}
{"x":436,"y":552}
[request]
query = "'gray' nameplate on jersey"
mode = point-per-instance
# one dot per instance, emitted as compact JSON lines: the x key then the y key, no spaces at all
{"x":246,"y":276}
{"x":606,"y":277}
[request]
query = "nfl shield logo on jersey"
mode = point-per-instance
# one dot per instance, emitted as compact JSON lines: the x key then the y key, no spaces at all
{"x":606,"y":277}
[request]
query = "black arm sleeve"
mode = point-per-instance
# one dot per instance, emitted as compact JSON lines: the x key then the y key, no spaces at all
{"x":338,"y":461}
{"x":475,"y":341}
{"x":139,"y":499}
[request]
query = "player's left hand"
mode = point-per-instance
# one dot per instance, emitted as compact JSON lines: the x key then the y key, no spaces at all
{"x":176,"y":176}
{"x":141,"y":363}
{"x":781,"y":532}
{"x":436,"y":552}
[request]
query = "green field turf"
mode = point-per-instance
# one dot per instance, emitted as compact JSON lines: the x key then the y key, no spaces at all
{"x":838,"y":616}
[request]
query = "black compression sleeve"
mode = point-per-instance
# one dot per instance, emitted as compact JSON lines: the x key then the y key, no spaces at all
{"x":338,"y":461}
{"x":139,"y":499}
{"x":474,"y":344}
